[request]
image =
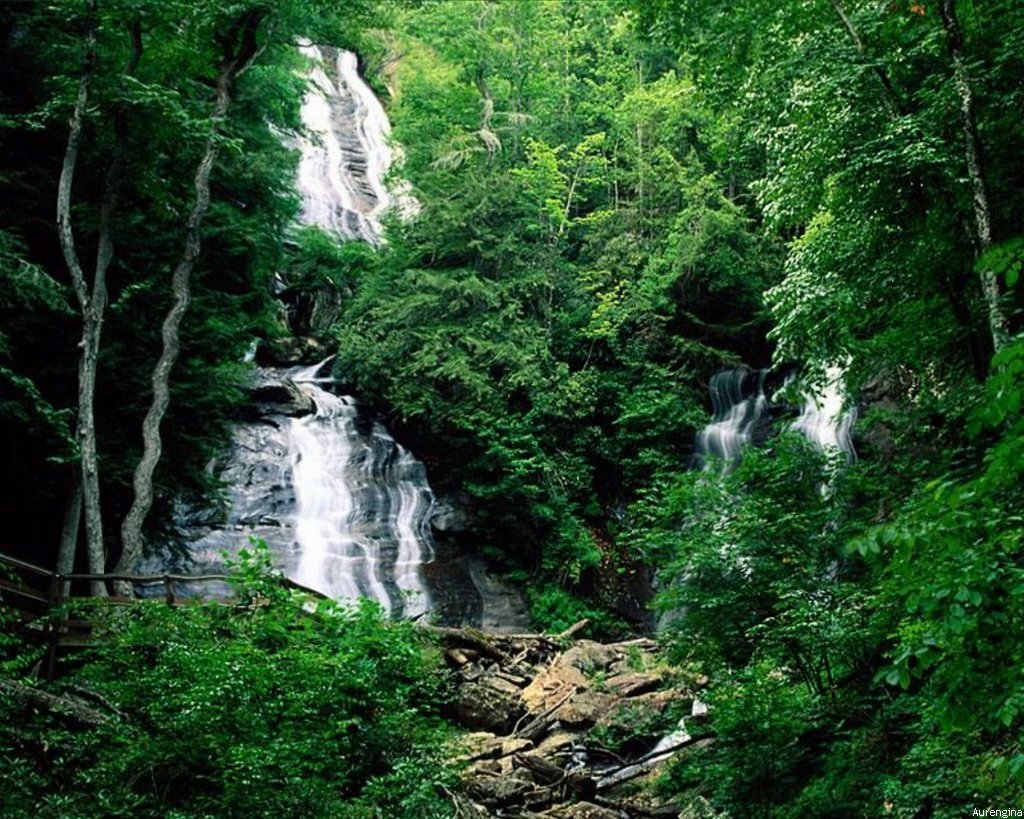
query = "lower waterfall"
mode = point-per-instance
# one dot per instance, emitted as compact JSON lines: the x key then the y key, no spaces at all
{"x":362,"y":508}
{"x":343,"y":508}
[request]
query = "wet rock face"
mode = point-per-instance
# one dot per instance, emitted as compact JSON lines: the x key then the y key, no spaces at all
{"x":291,"y":351}
{"x":575,"y":731}
{"x":450,"y":516}
{"x":342,"y":507}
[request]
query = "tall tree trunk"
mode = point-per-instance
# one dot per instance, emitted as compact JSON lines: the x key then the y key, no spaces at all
{"x":92,"y":311}
{"x":239,"y":45}
{"x":92,"y":304}
{"x":997,"y":323}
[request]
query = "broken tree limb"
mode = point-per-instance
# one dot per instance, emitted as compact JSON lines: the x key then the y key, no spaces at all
{"x":644,"y":764}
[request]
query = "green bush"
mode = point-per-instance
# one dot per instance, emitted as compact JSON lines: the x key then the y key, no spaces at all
{"x":278,"y":706}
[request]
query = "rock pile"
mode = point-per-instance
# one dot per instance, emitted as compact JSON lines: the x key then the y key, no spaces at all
{"x":566,"y":728}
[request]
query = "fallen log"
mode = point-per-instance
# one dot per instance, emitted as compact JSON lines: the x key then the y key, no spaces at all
{"x":64,"y":705}
{"x":644,"y":764}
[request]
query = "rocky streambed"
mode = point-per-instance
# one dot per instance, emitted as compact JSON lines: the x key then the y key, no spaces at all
{"x":557,"y":727}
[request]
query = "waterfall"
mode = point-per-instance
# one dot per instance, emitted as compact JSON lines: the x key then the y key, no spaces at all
{"x":362,"y":506}
{"x":738,"y":404}
{"x":824,"y":419}
{"x":343,"y":508}
{"x":346,"y":154}
{"x":362,"y":502}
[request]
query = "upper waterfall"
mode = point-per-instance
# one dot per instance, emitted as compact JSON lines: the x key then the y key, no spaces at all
{"x":346,"y":150}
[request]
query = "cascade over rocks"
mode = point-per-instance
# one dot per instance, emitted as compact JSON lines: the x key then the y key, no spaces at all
{"x":563,"y":728}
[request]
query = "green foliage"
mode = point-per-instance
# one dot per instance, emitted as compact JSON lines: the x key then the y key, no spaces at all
{"x":617,"y":198}
{"x":553,"y":610}
{"x":860,"y":636}
{"x":951,"y":563}
{"x":276,"y":705}
{"x":541,"y":315}
{"x":757,"y":708}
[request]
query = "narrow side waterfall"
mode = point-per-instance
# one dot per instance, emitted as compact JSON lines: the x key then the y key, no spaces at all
{"x":825,"y":420}
{"x":738,"y":404}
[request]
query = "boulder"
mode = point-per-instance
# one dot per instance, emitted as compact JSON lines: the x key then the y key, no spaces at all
{"x":589,"y":657}
{"x":480,"y":745}
{"x":633,"y":683}
{"x":280,"y":396}
{"x":292,"y":351}
{"x":551,"y":686}
{"x":556,"y":743}
{"x":498,"y":791}
{"x":585,"y":709}
{"x":488,"y":704}
{"x":449,"y":517}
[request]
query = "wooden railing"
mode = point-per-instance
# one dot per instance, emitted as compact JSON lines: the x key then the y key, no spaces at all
{"x":40,"y":602}
{"x":59,"y":588}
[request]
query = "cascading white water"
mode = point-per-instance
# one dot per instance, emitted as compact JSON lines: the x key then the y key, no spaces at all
{"x":738,"y":403}
{"x":362,"y":506}
{"x":825,"y":420}
{"x":342,"y":507}
{"x":346,"y":155}
{"x":362,"y":501}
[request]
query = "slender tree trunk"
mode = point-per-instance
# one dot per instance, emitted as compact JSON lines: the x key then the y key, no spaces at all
{"x":69,"y":532}
{"x":236,"y":60}
{"x":92,"y":304}
{"x":85,"y":431}
{"x":997,"y":323}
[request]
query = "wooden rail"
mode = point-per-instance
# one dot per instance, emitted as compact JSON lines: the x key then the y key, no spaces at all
{"x":40,"y":603}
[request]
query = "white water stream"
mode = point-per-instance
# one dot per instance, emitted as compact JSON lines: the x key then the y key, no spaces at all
{"x":362,"y":506}
{"x":346,"y":153}
{"x":825,"y":420}
{"x":362,"y":501}
{"x":739,"y":405}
